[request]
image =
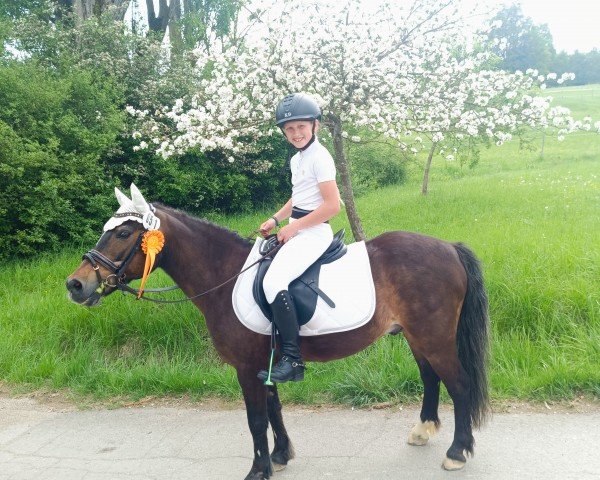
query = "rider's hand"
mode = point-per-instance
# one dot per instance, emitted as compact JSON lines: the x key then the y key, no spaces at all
{"x":266,"y":227}
{"x":287,"y":232}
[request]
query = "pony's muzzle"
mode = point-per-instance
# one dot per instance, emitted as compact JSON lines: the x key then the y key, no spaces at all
{"x":81,"y":291}
{"x":74,"y":286}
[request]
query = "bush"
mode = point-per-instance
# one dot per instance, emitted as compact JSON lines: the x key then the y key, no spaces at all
{"x":52,"y":133}
{"x":374,"y":166}
{"x":66,"y":139}
{"x":205,"y":182}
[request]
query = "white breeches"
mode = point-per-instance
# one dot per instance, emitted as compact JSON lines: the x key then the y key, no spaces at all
{"x":295,"y":256}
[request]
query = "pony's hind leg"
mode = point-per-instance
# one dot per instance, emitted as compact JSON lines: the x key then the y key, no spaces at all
{"x":283,"y":450}
{"x":456,"y":380}
{"x":430,"y":422}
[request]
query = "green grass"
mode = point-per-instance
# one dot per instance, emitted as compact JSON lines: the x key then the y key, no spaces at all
{"x":534,"y":222}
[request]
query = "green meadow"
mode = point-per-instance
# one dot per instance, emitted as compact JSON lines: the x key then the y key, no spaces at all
{"x":532,"y":219}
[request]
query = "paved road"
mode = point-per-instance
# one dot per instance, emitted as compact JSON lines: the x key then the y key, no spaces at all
{"x":41,"y":441}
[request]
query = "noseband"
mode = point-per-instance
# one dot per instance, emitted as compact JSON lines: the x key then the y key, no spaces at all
{"x":116,"y":279}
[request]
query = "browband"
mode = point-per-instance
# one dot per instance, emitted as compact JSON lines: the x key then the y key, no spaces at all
{"x":128,"y":214}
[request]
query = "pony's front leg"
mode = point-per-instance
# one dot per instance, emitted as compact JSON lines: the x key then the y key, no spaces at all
{"x":283,"y":450}
{"x":255,"y":396}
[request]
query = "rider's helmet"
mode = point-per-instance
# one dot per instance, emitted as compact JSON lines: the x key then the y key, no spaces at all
{"x":297,"y":106}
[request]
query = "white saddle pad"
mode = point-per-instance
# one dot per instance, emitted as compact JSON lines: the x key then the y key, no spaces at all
{"x":347,"y":281}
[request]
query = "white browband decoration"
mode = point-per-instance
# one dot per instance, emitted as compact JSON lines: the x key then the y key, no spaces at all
{"x":136,"y":209}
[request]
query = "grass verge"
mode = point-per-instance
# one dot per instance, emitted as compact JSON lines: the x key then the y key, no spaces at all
{"x":534,"y":222}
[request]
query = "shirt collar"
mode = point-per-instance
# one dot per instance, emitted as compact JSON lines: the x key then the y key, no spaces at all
{"x":311,"y":147}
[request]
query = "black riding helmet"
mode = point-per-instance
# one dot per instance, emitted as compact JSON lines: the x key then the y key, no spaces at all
{"x":297,"y":106}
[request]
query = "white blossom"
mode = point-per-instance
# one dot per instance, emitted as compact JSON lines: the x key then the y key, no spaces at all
{"x":363,"y":70}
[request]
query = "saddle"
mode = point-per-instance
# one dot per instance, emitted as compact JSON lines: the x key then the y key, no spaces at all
{"x":305,"y":289}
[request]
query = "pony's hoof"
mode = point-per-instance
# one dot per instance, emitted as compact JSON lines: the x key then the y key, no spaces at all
{"x":420,"y":433}
{"x":417,"y":440}
{"x":255,"y":476}
{"x":258,"y":475}
{"x":451,"y":464}
{"x":281,"y":457}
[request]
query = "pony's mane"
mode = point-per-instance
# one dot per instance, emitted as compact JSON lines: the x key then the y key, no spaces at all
{"x":195,"y":222}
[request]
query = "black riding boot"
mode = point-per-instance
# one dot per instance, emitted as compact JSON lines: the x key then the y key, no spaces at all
{"x":290,"y":366}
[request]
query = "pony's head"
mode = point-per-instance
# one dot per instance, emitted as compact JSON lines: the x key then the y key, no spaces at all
{"x":125,"y":251}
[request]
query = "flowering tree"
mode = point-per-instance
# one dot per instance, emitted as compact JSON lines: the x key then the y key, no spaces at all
{"x":458,"y":108}
{"x":394,"y":71}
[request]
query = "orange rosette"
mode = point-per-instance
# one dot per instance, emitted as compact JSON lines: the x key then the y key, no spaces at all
{"x":152,"y":243}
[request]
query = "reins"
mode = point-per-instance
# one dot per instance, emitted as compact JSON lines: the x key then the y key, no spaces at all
{"x":117,"y":278}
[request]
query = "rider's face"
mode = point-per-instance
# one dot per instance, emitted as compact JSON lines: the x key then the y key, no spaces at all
{"x":299,"y":132}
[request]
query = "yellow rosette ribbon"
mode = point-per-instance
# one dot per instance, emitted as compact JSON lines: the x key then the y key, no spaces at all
{"x":152,"y":243}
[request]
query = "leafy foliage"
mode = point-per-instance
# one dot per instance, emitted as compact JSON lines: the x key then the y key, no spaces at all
{"x":66,"y":140}
{"x":374,"y":163}
{"x":52,"y":133}
{"x":585,"y":66}
{"x":520,"y":43}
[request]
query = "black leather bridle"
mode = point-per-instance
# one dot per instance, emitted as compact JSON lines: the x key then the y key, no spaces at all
{"x":116,"y":279}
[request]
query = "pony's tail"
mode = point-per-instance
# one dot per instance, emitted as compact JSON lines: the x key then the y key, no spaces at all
{"x":472,"y":336}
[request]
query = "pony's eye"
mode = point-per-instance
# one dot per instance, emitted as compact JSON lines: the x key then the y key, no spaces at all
{"x":123,"y":234}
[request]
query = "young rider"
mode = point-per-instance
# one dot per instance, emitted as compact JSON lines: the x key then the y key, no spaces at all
{"x":315,"y":199}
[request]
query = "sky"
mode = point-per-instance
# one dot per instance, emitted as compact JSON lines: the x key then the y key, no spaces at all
{"x":574,"y":24}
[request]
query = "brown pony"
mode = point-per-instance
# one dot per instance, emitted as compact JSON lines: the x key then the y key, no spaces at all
{"x":430,"y":290}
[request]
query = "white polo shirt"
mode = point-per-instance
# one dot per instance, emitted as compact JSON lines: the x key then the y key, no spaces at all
{"x":309,"y":168}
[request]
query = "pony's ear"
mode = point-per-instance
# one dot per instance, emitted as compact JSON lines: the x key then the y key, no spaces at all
{"x":139,"y":202}
{"x":123,"y":199}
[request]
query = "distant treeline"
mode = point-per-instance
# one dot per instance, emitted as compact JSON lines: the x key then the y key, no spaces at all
{"x":585,"y":66}
{"x":520,"y":44}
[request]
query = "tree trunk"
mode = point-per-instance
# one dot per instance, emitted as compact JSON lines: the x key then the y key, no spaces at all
{"x":175,"y":34}
{"x":158,"y":24}
{"x":83,"y":9}
{"x":62,"y":7}
{"x":427,"y":168}
{"x":119,"y":8}
{"x":543,"y":141}
{"x":347,"y":194}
